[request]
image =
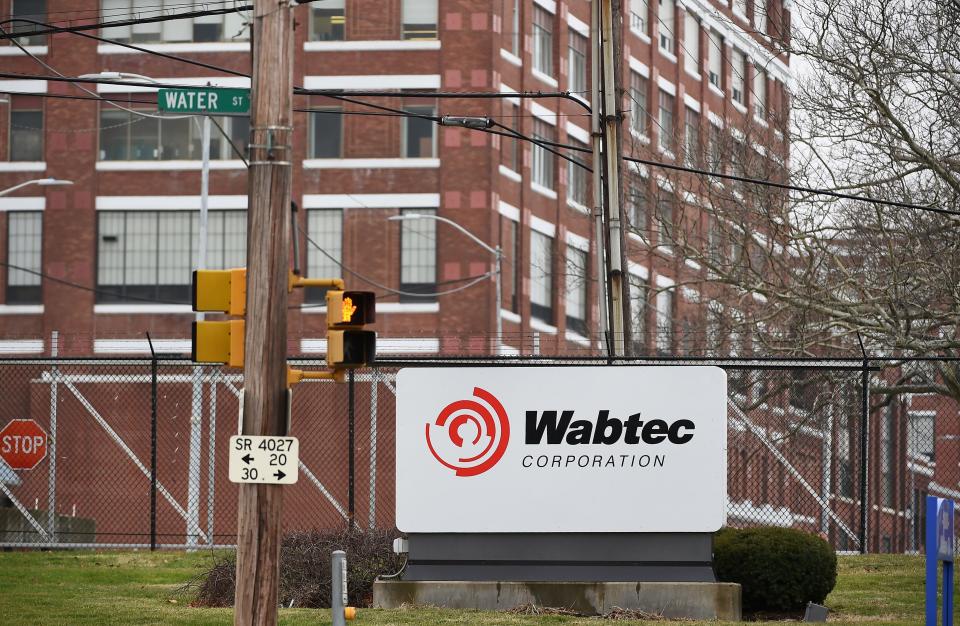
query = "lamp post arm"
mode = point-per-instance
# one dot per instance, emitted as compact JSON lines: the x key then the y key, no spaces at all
{"x":19,"y":186}
{"x":479,"y":242}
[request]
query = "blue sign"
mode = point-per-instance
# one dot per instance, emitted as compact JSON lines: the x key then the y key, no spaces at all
{"x":941,"y":542}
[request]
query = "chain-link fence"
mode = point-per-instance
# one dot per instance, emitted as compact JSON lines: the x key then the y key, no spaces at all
{"x":137,"y":450}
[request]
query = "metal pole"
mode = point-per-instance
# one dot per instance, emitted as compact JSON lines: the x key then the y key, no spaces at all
{"x":211,"y":454}
{"x":611,"y":130}
{"x":864,"y":440}
{"x":499,"y":256}
{"x":52,"y":443}
{"x":374,"y":407}
{"x":826,"y":470}
{"x":596,"y":134}
{"x":196,"y":418}
{"x":153,"y":446}
{"x":351,"y":460}
{"x":338,"y":588}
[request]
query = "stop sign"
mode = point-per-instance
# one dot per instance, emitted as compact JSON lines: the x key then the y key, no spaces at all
{"x":23,"y":444}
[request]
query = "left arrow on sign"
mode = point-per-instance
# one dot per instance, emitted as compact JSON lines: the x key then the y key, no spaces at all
{"x":247,"y":459}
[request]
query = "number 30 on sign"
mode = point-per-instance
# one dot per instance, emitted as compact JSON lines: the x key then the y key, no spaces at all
{"x":264,"y":460}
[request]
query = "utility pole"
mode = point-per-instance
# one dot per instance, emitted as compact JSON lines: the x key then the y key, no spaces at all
{"x":265,"y":343}
{"x":611,"y":148}
{"x":596,"y":136}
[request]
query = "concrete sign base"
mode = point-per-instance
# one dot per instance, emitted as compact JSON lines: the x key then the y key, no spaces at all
{"x":701,"y":601}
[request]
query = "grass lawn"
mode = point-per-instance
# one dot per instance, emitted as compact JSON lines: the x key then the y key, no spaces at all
{"x":82,"y":587}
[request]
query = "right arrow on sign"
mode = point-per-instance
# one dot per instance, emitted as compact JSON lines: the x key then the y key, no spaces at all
{"x":279,"y":475}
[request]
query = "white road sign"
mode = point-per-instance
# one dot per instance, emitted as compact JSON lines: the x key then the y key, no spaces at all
{"x":271,"y":460}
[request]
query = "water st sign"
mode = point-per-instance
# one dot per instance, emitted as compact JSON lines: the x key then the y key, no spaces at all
{"x":210,"y":100}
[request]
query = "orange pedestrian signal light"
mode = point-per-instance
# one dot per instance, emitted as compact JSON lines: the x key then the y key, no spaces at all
{"x":350,"y":309}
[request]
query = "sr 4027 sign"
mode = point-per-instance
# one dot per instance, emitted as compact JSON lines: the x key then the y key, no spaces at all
{"x":264,"y":460}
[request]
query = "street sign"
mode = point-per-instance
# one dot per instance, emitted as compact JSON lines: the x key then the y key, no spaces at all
{"x":264,"y":460}
{"x":941,"y":543}
{"x":23,"y":444}
{"x":212,"y":100}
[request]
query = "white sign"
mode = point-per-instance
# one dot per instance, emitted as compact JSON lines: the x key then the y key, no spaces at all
{"x":561,"y":449}
{"x":256,"y":459}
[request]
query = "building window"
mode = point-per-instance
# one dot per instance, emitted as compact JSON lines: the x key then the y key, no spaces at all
{"x":542,"y":40}
{"x":740,"y":6}
{"x":419,"y":19}
{"x":759,"y":93}
{"x":920,"y":435}
{"x":665,"y":302}
{"x":637,"y":202}
{"x":576,"y":290}
{"x":224,"y":27}
{"x":639,"y":111}
{"x":26,"y":128}
{"x":35,"y":10}
{"x":665,"y":217}
{"x":715,"y":58}
{"x":125,"y":136}
{"x":760,"y":16}
{"x":510,"y":146}
{"x":715,"y":149}
{"x":543,"y":160}
{"x":639,"y":292}
{"x":578,"y":63}
{"x":691,"y":43}
{"x":24,"y":247}
{"x":639,"y":12}
{"x":514,"y":30}
{"x":737,"y":72}
{"x":666,"y":122}
{"x":714,"y":243}
{"x":326,"y":133}
{"x":418,"y":139}
{"x":418,"y":256}
{"x":666,"y":17}
{"x":150,"y":255}
{"x":888,"y":449}
{"x":691,"y":151}
{"x":578,"y":190}
{"x":325,"y":230}
{"x":510,"y":263}
{"x":541,"y":277}
{"x":328,"y":20}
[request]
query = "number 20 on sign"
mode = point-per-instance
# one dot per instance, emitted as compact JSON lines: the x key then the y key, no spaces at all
{"x":264,"y":460}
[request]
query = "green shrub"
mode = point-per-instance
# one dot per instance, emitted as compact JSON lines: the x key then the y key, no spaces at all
{"x":778,"y":569}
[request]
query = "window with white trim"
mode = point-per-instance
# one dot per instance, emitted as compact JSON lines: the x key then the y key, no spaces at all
{"x":150,"y":255}
{"x":418,"y":134}
{"x":35,"y":10}
{"x":639,"y":292}
{"x":759,"y":93}
{"x":578,"y":178}
{"x":26,"y":128}
{"x":204,"y":28}
{"x":419,"y":19}
{"x":920,"y":435}
{"x":665,"y":15}
{"x":542,"y":40}
{"x":666,"y":214}
{"x":24,"y":252}
{"x":513,"y":32}
{"x":541,"y":277}
{"x":324,"y":250}
{"x":738,"y":70}
{"x":511,"y":267}
{"x":715,"y":58}
{"x":637,"y":203}
{"x":691,"y":136}
{"x":328,"y":20}
{"x":639,"y":111}
{"x":326,"y":133}
{"x":125,"y":136}
{"x":578,"y":63}
{"x":666,"y":134}
{"x":691,"y":43}
{"x":418,"y":256}
{"x":543,"y":162}
{"x":576,"y":290}
{"x":665,"y":312}
{"x":510,"y":146}
{"x":740,"y":6}
{"x":639,"y":16}
{"x":760,"y":15}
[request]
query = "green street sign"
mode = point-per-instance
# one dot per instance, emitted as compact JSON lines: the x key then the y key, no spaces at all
{"x":212,"y":100}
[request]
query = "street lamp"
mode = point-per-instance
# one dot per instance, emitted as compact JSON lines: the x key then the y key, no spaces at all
{"x":43,"y":182}
{"x":496,"y":252}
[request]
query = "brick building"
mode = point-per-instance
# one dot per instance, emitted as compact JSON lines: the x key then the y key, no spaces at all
{"x":696,"y":69}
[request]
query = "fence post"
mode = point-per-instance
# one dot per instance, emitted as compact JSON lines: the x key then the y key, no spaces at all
{"x":350,"y":452}
{"x":864,"y":442}
{"x":153,"y":445}
{"x":52,"y":445}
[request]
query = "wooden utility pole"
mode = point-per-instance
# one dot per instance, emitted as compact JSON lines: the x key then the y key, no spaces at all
{"x":265,"y":344}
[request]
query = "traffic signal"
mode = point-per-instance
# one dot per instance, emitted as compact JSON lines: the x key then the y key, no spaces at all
{"x":219,"y":291}
{"x":348,"y":345}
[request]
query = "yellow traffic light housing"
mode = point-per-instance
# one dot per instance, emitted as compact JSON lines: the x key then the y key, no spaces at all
{"x":348,"y":346}
{"x":219,"y":291}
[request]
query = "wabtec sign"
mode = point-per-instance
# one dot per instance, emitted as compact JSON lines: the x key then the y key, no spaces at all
{"x":586,"y":449}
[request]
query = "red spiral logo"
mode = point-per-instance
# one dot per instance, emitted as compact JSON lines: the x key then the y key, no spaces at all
{"x":469,"y":440}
